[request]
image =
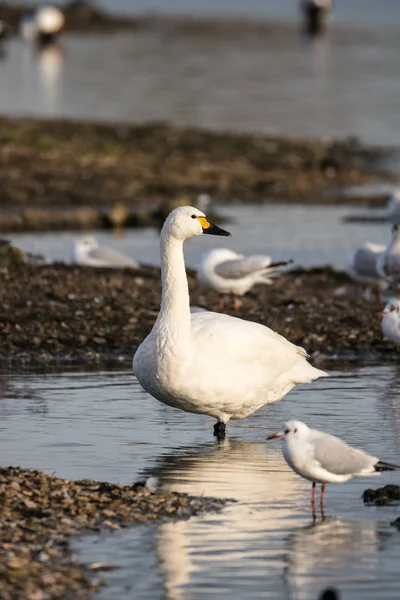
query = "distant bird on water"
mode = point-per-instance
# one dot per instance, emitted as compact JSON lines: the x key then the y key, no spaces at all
{"x":316,"y":14}
{"x":42,"y":25}
{"x":324,"y":458}
{"x":227,"y":272}
{"x":87,"y":252}
{"x":362,"y":267}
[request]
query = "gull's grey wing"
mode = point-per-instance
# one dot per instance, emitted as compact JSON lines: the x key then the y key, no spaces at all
{"x":364,"y":261}
{"x":111,"y":258}
{"x":391,"y":262}
{"x":242,"y":267}
{"x":339,"y":458}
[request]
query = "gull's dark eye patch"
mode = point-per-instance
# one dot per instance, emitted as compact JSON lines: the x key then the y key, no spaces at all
{"x":286,"y":431}
{"x":295,"y":430}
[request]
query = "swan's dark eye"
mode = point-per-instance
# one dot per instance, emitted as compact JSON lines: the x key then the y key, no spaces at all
{"x":194,"y":217}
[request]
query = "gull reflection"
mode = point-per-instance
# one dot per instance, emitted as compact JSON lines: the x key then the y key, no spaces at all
{"x":325,"y":553}
{"x":50,"y":67}
{"x":238,"y":538}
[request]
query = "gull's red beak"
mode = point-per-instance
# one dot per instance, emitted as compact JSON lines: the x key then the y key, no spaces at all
{"x":382,"y":313}
{"x":275,"y":436}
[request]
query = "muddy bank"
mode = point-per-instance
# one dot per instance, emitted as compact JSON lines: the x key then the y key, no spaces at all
{"x":38,"y":514}
{"x":54,"y":313}
{"x":57,"y":173}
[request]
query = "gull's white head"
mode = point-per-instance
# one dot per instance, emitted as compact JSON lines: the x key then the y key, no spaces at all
{"x":391,"y":311}
{"x":186,"y":221}
{"x":292,"y":430}
{"x":49,"y":19}
{"x":82,"y":248}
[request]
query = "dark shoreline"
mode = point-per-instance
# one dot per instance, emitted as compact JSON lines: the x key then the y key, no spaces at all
{"x":53,"y":314}
{"x":59,"y":174}
{"x":39,"y":513}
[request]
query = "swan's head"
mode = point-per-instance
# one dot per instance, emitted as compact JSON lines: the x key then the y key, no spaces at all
{"x":292,"y":430}
{"x":185,"y":222}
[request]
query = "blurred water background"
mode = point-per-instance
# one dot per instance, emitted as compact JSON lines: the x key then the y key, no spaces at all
{"x":259,"y":74}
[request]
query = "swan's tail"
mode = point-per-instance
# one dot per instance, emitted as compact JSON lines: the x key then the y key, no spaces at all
{"x":305,"y":373}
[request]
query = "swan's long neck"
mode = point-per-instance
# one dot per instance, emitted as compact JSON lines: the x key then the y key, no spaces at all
{"x":174,"y":316}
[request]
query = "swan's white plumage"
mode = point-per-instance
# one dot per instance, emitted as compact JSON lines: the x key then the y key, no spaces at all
{"x":207,"y":362}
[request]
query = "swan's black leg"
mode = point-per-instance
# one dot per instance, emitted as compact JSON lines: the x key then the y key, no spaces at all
{"x":219,"y":430}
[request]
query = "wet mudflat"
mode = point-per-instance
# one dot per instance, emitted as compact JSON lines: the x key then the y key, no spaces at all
{"x":101,"y":425}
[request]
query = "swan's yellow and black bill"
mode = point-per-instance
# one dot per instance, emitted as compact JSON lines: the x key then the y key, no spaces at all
{"x":210,"y":228}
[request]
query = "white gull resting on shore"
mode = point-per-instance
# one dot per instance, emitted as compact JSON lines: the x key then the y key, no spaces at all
{"x":362,"y":267}
{"x":87,"y":252}
{"x":324,"y":458}
{"x":391,"y":321}
{"x":205,"y":362}
{"x":227,"y":272}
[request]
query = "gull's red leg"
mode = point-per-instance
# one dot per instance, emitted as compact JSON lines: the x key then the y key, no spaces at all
{"x":236,"y":302}
{"x":321,"y":500}
{"x":314,"y":485}
{"x":221,"y":306}
{"x":377,"y":294}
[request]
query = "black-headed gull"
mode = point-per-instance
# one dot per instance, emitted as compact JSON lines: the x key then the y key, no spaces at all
{"x":388,"y":263}
{"x":361,"y":267}
{"x":324,"y":458}
{"x":227,"y":272}
{"x":391,"y":321}
{"x":393,"y":207}
{"x":87,"y":252}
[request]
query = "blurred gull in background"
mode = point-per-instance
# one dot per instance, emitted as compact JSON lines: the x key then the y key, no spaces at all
{"x":87,"y":252}
{"x":42,"y":25}
{"x":316,"y":14}
{"x":388,"y":263}
{"x":362,"y":267}
{"x":227,"y":272}
{"x":393,"y":207}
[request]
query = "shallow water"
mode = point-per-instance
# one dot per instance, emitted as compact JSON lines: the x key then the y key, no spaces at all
{"x":101,"y":425}
{"x":309,"y":235}
{"x":346,"y":83}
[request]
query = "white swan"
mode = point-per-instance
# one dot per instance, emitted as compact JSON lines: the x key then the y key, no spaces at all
{"x":206,"y":362}
{"x":87,"y":252}
{"x":227,"y":272}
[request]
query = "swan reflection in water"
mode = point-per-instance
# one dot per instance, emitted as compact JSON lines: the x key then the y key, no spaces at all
{"x":329,"y":552}
{"x":230,"y":545}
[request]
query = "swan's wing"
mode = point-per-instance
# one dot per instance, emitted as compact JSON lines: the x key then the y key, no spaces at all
{"x":244,"y":344}
{"x":339,"y":458}
{"x":111,"y":258}
{"x":242,"y":267}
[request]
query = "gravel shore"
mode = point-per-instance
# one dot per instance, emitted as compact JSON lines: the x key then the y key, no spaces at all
{"x":57,"y":313}
{"x":39,"y":513}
